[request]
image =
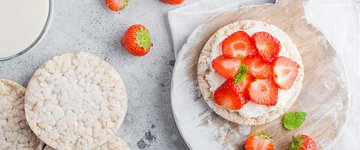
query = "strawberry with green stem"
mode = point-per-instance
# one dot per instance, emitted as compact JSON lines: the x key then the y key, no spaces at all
{"x":136,"y":40}
{"x":303,"y":142}
{"x":116,"y":5}
{"x":259,"y":142}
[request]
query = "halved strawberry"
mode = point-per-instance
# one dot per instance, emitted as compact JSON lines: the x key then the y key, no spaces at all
{"x":303,"y":142}
{"x":258,"y":67}
{"x":226,"y":67}
{"x":259,"y":142}
{"x":238,"y":45}
{"x":267,"y":45}
{"x":116,"y":5}
{"x":285,"y":72}
{"x":264,"y":92}
{"x":228,"y":96}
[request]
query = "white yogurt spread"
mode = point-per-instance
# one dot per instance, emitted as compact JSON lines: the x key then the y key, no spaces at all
{"x":251,"y":109}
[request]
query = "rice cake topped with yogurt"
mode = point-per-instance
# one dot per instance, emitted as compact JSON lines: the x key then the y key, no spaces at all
{"x":114,"y":143}
{"x":75,"y":101}
{"x":209,"y":80}
{"x":15,"y":131}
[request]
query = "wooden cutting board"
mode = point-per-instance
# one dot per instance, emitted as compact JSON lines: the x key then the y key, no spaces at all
{"x":324,"y":96}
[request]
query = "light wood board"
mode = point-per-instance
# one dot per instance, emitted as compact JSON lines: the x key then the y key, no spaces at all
{"x":324,"y":96}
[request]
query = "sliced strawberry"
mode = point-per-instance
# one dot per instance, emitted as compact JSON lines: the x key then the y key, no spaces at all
{"x":116,"y":5}
{"x":228,"y":96}
{"x":267,"y":45}
{"x":258,"y":67}
{"x":242,"y":86}
{"x":285,"y":72}
{"x":259,"y":142}
{"x":238,"y":45}
{"x":264,"y":92}
{"x":303,"y":142}
{"x":226,"y":67}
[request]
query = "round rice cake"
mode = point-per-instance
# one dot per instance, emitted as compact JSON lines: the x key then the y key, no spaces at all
{"x":75,"y":101}
{"x":204,"y":71}
{"x":15,"y":132}
{"x":114,"y":143}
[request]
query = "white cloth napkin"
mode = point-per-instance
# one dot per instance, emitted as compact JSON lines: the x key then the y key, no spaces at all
{"x":184,"y":20}
{"x":338,"y":19}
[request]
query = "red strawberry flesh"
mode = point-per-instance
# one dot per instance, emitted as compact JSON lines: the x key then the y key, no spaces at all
{"x":238,"y":45}
{"x":242,"y":86}
{"x":258,"y":142}
{"x":228,"y":96}
{"x":258,"y":67}
{"x":285,"y":72}
{"x":264,"y":92}
{"x":226,"y":67}
{"x":172,"y":2}
{"x":267,"y":45}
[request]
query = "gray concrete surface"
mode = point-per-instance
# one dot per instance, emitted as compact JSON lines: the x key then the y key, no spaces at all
{"x":88,"y":25}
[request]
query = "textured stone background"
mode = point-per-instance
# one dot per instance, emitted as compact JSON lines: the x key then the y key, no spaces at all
{"x":88,"y":25}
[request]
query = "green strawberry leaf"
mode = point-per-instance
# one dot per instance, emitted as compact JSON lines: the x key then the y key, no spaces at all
{"x":126,"y":3}
{"x":296,"y":143}
{"x":143,"y":39}
{"x":264,"y":136}
{"x":240,"y":76}
{"x":293,"y":120}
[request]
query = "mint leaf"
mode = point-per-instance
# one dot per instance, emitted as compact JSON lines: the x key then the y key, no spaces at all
{"x":293,"y":120}
{"x":240,"y":76}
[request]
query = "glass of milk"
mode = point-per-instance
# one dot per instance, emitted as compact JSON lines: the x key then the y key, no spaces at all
{"x":22,"y":24}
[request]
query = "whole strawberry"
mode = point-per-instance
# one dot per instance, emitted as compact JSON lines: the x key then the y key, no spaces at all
{"x":172,"y":2}
{"x":302,"y":142}
{"x":136,"y":40}
{"x":116,"y":5}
